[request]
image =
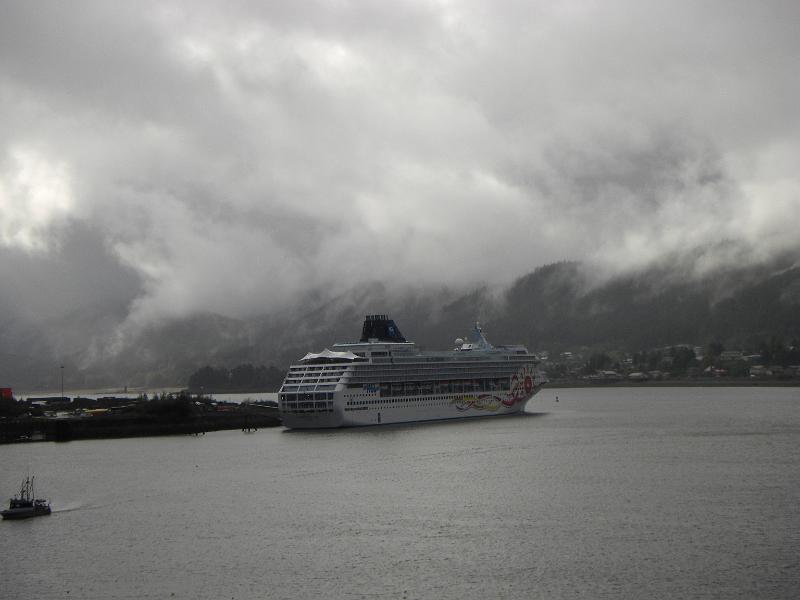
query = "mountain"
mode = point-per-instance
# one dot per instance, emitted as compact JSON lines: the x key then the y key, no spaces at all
{"x":557,"y":307}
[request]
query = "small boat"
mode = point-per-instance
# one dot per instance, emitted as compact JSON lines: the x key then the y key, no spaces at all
{"x":26,"y":504}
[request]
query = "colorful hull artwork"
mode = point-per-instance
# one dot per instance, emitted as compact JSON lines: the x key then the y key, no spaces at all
{"x":522,"y":387}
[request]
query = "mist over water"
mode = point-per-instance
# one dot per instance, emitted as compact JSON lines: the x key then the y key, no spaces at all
{"x":608,"y":493}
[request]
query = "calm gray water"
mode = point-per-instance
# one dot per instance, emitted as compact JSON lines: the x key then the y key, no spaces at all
{"x":609,"y":493}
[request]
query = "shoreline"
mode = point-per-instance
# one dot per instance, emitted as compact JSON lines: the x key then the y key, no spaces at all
{"x":581,"y":383}
{"x":50,"y":429}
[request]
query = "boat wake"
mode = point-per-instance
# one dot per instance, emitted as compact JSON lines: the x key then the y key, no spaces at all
{"x":68,"y":507}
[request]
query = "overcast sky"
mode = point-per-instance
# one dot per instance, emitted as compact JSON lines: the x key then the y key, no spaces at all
{"x":226,"y":156}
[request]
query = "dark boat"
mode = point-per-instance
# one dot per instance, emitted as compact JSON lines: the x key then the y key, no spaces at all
{"x":26,"y":504}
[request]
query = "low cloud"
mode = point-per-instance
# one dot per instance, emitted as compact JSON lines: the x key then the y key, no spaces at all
{"x":231,"y":156}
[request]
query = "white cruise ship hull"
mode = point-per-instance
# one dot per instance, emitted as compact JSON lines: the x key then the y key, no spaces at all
{"x":384,"y":379}
{"x":411,"y":411}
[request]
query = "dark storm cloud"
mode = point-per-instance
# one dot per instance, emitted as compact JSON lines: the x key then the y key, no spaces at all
{"x":235,"y":154}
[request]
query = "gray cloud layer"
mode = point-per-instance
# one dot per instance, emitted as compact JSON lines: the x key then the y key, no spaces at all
{"x":226,"y":156}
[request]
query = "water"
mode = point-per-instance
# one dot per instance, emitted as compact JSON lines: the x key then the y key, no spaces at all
{"x":609,"y":493}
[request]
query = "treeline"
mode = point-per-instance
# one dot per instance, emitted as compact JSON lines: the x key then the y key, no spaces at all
{"x":681,"y":360}
{"x":243,"y":378}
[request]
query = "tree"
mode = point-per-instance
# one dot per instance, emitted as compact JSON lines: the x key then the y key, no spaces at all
{"x":654,"y":359}
{"x":682,"y":359}
{"x":209,"y":378}
{"x":597,"y":362}
{"x":714,"y":349}
{"x":242,"y":377}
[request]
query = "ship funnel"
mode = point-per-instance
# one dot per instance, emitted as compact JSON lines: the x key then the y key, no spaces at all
{"x":381,"y":328}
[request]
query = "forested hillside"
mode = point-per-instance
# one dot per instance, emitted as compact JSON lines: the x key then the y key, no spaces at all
{"x":557,"y":307}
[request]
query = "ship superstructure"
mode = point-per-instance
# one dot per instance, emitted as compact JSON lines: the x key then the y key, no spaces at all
{"x":383,"y":378}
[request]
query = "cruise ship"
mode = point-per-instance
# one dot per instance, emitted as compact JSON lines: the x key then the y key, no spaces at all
{"x":383,"y":378}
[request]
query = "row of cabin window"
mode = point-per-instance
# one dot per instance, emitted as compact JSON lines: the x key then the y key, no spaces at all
{"x":435,"y":400}
{"x":417,"y":388}
{"x":434,"y":373}
{"x":305,"y":397}
{"x":418,"y":402}
{"x":291,"y":406}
